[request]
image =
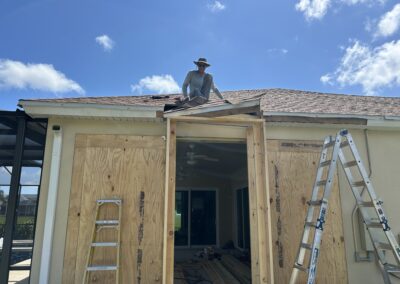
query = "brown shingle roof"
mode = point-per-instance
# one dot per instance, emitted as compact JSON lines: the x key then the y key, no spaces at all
{"x":293,"y":101}
{"x":272,"y":101}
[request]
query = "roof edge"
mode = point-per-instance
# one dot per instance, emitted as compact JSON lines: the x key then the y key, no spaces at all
{"x":48,"y":109}
{"x":332,"y":115}
{"x":212,"y":109}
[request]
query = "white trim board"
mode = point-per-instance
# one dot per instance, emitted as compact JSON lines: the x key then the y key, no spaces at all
{"x":47,"y":109}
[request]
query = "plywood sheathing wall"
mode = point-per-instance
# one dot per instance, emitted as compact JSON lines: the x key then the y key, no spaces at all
{"x":131,"y":168}
{"x":292,"y":168}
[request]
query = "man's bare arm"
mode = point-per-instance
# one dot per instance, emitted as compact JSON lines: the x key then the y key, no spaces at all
{"x":186,"y":84}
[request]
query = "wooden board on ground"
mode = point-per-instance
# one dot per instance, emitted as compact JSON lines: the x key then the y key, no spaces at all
{"x":239,"y":270}
{"x":292,"y":168}
{"x":131,"y":168}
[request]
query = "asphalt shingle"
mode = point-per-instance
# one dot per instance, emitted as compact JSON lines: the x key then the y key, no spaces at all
{"x":272,"y":101}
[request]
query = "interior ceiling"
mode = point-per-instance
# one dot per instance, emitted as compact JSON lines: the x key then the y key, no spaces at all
{"x":210,"y":158}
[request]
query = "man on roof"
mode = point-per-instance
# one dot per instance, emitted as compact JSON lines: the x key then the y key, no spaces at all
{"x":200,"y":84}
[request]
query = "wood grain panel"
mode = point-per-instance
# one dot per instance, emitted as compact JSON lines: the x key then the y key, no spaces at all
{"x":74,"y":212}
{"x":131,"y":168}
{"x":169,"y":203}
{"x":291,"y":177}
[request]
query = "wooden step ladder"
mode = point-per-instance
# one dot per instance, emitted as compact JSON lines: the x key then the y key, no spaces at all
{"x":98,"y":226}
{"x":332,"y":151}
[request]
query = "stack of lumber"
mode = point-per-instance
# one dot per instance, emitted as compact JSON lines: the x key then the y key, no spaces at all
{"x":238,"y":269}
{"x":217,"y":273}
{"x":179,"y":277}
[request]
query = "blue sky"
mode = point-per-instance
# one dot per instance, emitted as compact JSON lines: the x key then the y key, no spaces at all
{"x":51,"y":49}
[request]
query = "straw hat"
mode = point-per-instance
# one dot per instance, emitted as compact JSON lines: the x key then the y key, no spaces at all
{"x":202,"y":61}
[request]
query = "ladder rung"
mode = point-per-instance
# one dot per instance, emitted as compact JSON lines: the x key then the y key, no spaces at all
{"x":314,"y":202}
{"x":306,"y":246}
{"x":310,"y":224}
{"x":371,"y":224}
{"x":358,"y":183}
{"x":300,"y":267}
{"x":105,"y":244}
{"x":330,"y":144}
{"x":325,"y":163}
{"x":107,"y":222}
{"x":116,"y":201}
{"x":350,"y":164}
{"x":365,"y":203}
{"x":344,"y":144}
{"x":392,"y":268}
{"x":385,"y":246}
{"x":101,"y":268}
{"x":321,"y":183}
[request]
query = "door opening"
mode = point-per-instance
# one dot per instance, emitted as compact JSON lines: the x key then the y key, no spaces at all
{"x":212,"y":228}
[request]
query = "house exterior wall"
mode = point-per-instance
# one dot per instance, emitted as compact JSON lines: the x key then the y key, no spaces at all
{"x":71,"y":127}
{"x":384,"y":155}
{"x":384,"y":146}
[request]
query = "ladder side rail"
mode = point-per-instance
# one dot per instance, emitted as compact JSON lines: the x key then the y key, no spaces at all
{"x":377,"y":203}
{"x":322,"y":213}
{"x":119,"y":241}
{"x":90,"y":254}
{"x":310,"y":211}
{"x":360,"y":166}
{"x":363,"y":210}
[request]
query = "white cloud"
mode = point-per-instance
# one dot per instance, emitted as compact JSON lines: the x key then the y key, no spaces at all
{"x":216,"y":6}
{"x":389,"y":23}
{"x":372,"y":68}
{"x":106,"y":42}
{"x":326,"y":79}
{"x":370,"y":2}
{"x":313,"y":9}
{"x":42,"y":77}
{"x":317,"y":9}
{"x":277,"y":51}
{"x":163,"y":84}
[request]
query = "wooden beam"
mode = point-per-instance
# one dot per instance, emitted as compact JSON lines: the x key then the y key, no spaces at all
{"x":264,"y":242}
{"x":225,"y":112}
{"x":218,"y":120}
{"x":255,"y":263}
{"x":270,"y":256}
{"x":169,"y":205}
{"x":250,"y":106}
{"x":260,"y":231}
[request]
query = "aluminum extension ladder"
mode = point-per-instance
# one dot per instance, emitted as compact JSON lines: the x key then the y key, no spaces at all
{"x":98,"y":226}
{"x":334,"y":148}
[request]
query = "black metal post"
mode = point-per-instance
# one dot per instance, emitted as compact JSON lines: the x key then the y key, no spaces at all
{"x":12,"y":200}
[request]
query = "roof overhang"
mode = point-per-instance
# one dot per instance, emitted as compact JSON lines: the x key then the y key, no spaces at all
{"x":362,"y":121}
{"x":249,"y":106}
{"x":48,"y":109}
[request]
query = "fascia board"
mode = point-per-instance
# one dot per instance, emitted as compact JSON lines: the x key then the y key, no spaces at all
{"x":47,"y":109}
{"x":320,"y":115}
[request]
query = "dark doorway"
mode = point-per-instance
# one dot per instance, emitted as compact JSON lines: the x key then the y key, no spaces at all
{"x":212,"y":233}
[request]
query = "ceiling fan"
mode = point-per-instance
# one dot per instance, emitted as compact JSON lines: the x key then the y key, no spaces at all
{"x":192,"y":157}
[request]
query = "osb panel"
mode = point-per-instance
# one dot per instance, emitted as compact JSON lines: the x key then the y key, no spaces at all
{"x":131,"y":168}
{"x":291,"y":177}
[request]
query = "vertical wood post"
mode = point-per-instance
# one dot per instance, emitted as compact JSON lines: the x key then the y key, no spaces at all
{"x":169,"y":206}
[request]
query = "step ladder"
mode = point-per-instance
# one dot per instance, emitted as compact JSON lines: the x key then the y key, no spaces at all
{"x":97,"y":227}
{"x":334,"y":149}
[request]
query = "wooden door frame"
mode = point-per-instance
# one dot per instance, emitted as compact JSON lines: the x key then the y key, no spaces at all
{"x":260,"y":217}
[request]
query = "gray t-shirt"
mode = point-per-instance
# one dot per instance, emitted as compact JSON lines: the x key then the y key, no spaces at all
{"x":195,"y":82}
